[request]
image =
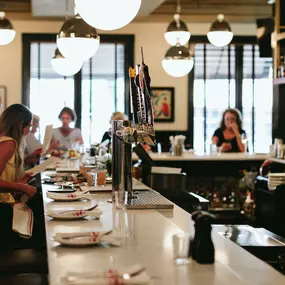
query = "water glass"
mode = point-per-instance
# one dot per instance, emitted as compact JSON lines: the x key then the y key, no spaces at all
{"x":181,"y":244}
{"x":213,"y":148}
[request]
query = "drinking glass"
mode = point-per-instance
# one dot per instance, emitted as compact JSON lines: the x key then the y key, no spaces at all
{"x":181,"y":243}
{"x":101,"y":176}
{"x":213,"y":148}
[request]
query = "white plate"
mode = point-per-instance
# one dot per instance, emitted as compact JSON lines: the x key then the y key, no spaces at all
{"x":67,"y":197}
{"x":74,"y":214}
{"x":89,"y":239}
{"x":64,"y":184}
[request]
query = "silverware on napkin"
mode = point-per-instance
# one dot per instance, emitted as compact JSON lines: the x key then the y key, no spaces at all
{"x":70,"y":211}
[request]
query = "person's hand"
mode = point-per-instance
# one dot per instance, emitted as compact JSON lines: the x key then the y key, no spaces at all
{"x":226,"y":147}
{"x":54,"y":145}
{"x":26,"y":178}
{"x":34,"y":157}
{"x":235,"y":129}
{"x":29,"y":190}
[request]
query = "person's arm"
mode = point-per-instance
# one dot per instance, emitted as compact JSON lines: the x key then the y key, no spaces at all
{"x":5,"y":156}
{"x":215,"y":140}
{"x":240,"y":145}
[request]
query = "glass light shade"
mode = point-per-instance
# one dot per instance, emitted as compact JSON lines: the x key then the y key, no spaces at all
{"x":108,"y":14}
{"x":7,"y":33}
{"x":179,"y":36}
{"x":178,"y":62}
{"x":65,"y":66}
{"x":77,"y":39}
{"x":220,"y":38}
{"x":220,"y":33}
{"x":177,"y":32}
{"x":177,"y":67}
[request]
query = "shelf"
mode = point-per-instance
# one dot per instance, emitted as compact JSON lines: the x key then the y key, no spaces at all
{"x":279,"y":81}
{"x":278,"y":160}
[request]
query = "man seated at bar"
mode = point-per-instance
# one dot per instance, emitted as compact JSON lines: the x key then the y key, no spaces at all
{"x":32,"y":146}
{"x":65,"y":135}
{"x":229,"y":135}
{"x":115,"y":116}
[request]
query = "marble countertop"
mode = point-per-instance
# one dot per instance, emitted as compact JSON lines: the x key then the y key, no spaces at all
{"x":188,"y":156}
{"x":147,"y":240}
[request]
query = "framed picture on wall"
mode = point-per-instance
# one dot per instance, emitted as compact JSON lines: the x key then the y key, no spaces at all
{"x":163,"y":104}
{"x":3,"y":98}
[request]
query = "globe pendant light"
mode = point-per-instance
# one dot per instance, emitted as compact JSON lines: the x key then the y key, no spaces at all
{"x":220,"y":33}
{"x":177,"y":31}
{"x":108,"y":14}
{"x":178,"y":62}
{"x":65,"y":66}
{"x":77,"y":39}
{"x":7,"y":33}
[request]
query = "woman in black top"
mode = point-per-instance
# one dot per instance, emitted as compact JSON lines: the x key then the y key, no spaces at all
{"x":229,"y":135}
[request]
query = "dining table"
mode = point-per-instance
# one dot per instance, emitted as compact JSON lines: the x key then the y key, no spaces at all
{"x":146,"y":239}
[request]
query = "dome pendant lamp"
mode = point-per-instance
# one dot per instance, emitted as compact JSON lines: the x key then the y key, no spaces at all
{"x":65,"y":66}
{"x":7,"y":33}
{"x":220,"y":33}
{"x":108,"y":14}
{"x":177,"y":61}
{"x":76,"y":39}
{"x":177,"y":30}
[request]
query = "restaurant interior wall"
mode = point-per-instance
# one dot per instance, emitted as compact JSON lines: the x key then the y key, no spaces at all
{"x":148,"y":35}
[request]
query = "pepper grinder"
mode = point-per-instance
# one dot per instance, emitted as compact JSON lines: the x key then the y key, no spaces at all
{"x":202,"y":246}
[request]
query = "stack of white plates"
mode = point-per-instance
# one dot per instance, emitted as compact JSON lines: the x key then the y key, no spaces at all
{"x":275,"y":179}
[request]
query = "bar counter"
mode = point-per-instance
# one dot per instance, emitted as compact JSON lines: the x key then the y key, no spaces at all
{"x":188,"y":156}
{"x":148,"y":241}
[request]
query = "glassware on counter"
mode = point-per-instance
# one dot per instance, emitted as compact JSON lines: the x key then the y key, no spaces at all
{"x":181,"y":244}
{"x":101,"y":176}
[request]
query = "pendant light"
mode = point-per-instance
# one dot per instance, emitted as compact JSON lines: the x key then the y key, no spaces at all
{"x":177,"y":30}
{"x":77,"y":39}
{"x":108,"y":14}
{"x":65,"y":66}
{"x":177,"y":61}
{"x":7,"y":33}
{"x":220,"y":33}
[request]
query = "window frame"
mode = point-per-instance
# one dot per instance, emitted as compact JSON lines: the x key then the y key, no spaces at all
{"x":238,"y":42}
{"x":28,"y":39}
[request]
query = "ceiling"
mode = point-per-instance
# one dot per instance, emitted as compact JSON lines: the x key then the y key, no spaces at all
{"x":153,"y":10}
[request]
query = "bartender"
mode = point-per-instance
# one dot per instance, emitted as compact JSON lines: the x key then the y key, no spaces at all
{"x":229,"y":135}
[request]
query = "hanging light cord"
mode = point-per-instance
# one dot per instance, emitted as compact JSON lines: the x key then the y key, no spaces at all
{"x":178,"y":7}
{"x":177,"y":15}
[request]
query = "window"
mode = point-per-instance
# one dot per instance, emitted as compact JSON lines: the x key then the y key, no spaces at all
{"x":49,"y":91}
{"x":103,"y":90}
{"x":221,"y":80}
{"x":97,"y":91}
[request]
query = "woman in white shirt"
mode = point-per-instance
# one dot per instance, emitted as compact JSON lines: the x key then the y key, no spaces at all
{"x":65,"y":135}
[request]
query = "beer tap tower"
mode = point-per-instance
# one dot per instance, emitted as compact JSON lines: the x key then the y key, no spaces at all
{"x":139,"y":129}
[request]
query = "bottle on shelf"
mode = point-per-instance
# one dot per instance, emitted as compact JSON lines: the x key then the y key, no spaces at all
{"x":281,"y":69}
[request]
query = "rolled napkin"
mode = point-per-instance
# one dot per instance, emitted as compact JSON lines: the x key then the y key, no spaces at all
{"x":86,"y":238}
{"x":134,"y":275}
{"x":23,"y":220}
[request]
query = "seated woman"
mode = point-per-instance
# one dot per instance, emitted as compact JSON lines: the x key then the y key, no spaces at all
{"x":229,"y":135}
{"x":65,"y":135}
{"x":15,"y":123}
{"x":115,"y":116}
